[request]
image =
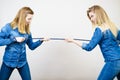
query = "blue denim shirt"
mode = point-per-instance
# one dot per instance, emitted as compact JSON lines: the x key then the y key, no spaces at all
{"x":108,"y":43}
{"x":15,"y":52}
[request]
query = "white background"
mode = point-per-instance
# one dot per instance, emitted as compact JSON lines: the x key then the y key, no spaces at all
{"x":59,"y":60}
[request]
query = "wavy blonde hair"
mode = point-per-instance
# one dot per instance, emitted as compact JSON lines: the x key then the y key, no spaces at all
{"x":20,"y":20}
{"x":102,"y":19}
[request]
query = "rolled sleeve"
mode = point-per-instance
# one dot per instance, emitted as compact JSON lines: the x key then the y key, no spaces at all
{"x":84,"y":45}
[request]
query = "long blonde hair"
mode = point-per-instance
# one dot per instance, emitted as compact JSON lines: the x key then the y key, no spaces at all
{"x":102,"y":19}
{"x":20,"y":20}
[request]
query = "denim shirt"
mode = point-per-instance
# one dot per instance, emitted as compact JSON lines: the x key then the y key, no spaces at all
{"x":15,"y":52}
{"x":108,"y":43}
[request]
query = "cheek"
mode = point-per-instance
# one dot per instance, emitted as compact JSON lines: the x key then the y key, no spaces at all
{"x":28,"y":20}
{"x":93,"y":19}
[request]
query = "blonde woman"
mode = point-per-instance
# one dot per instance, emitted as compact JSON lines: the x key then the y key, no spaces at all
{"x":14,"y":36}
{"x":106,"y":35}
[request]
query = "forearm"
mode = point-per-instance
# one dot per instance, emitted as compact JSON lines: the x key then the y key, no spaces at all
{"x":32,"y":45}
{"x":77,"y":43}
{"x":6,"y":41}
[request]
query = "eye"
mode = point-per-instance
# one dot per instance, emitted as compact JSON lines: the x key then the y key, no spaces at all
{"x":91,"y":16}
{"x":29,"y":18}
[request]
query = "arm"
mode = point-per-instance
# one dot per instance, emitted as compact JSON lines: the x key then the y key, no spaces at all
{"x":74,"y":41}
{"x":93,"y":42}
{"x":32,"y":45}
{"x":5,"y":38}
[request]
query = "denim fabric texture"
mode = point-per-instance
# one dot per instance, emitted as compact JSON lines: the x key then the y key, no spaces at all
{"x":15,"y":52}
{"x":6,"y":71}
{"x":110,"y":70}
{"x":109,"y":45}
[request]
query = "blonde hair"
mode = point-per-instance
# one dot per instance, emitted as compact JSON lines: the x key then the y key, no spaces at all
{"x":20,"y":20}
{"x":102,"y":19}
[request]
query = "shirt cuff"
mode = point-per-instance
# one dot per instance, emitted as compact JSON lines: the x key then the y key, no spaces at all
{"x":84,"y":45}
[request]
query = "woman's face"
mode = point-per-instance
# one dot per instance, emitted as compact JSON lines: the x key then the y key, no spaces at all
{"x":29,"y":18}
{"x":92,"y":16}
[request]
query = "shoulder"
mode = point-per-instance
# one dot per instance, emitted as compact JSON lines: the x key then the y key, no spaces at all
{"x":98,"y":29}
{"x":7,"y":27}
{"x":97,"y":32}
{"x":101,"y":29}
{"x":30,"y":35}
